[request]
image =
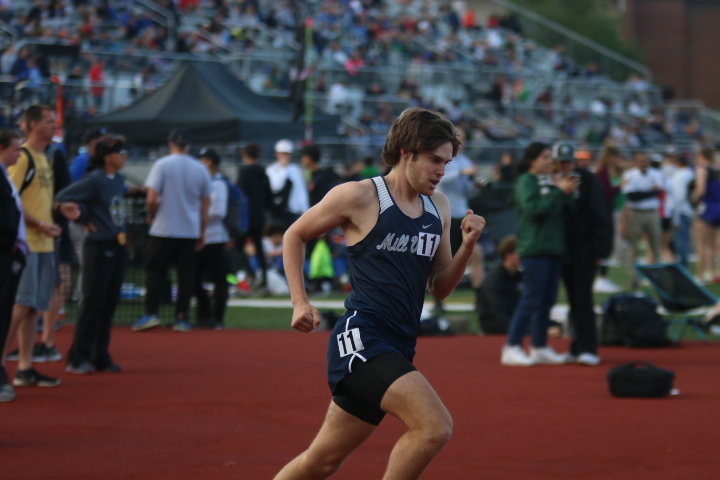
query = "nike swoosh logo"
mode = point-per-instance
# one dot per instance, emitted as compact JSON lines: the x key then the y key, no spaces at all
{"x":426,"y":226}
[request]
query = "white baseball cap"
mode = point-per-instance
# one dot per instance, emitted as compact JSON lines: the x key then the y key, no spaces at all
{"x":284,"y":146}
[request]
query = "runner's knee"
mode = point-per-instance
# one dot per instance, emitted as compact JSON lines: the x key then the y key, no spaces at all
{"x":321,"y":466}
{"x":437,"y":432}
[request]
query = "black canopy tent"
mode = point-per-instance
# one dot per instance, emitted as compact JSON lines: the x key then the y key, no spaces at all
{"x":207,"y":100}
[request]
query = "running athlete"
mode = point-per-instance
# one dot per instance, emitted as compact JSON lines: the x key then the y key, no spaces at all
{"x":399,"y":245}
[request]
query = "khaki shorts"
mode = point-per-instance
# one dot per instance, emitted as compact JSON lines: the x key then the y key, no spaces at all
{"x":37,"y":281}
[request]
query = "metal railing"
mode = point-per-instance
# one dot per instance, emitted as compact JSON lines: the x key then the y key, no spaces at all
{"x":166,"y":14}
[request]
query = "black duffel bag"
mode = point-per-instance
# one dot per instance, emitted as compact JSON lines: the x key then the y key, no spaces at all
{"x":640,"y":379}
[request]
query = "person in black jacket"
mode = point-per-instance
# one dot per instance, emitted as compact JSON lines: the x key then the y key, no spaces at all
{"x":322,"y":180}
{"x":588,"y":235}
{"x":253,"y":180}
{"x":13,"y":247}
{"x":500,"y":291}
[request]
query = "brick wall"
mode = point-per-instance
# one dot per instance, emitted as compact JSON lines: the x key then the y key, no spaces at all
{"x":681,"y":40}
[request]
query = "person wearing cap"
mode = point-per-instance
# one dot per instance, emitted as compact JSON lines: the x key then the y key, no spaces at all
{"x":101,"y":193}
{"x":588,"y":240}
{"x":287,"y":182}
{"x":178,"y":200}
{"x":211,"y":259}
{"x":540,"y":201}
{"x":642,"y":186}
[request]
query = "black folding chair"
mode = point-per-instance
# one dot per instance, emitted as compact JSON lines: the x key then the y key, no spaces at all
{"x":680,"y":295}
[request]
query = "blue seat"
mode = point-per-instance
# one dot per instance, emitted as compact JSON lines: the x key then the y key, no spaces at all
{"x":680,"y":295}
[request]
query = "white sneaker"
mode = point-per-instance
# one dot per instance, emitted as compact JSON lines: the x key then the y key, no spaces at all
{"x":547,"y":356}
{"x":588,"y":359}
{"x":515,"y":356}
{"x":605,"y":285}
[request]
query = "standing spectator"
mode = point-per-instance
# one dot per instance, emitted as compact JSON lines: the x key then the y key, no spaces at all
{"x":642,"y":186}
{"x":97,"y":82}
{"x":13,"y":248}
{"x":101,"y":192}
{"x":588,"y":239}
{"x":46,"y":350}
{"x":38,"y":278}
{"x":500,"y":291}
{"x":321,"y":180}
{"x":287,"y":183}
{"x":680,"y":181}
{"x":211,"y":259}
{"x":178,"y":199}
{"x":457,"y":185}
{"x":707,"y":197}
{"x":609,"y":173}
{"x":540,"y":203}
{"x":666,"y":168}
{"x":253,"y":181}
{"x":78,"y":169}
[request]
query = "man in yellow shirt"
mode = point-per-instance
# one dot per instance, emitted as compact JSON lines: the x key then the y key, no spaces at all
{"x":34,"y":181}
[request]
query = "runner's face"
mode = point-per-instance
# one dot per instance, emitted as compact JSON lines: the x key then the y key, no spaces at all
{"x":427,"y":168}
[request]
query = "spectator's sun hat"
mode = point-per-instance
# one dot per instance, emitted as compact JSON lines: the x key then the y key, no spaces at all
{"x":563,"y":151}
{"x":284,"y":146}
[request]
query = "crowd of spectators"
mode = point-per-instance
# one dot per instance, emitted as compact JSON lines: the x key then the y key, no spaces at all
{"x":350,"y":41}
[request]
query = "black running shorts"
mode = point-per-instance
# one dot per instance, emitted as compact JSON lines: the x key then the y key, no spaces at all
{"x":362,"y":390}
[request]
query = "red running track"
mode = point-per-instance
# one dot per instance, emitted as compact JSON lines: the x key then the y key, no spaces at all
{"x":240,"y":404}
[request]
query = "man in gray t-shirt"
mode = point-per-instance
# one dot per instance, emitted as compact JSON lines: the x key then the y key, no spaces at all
{"x":178,"y":199}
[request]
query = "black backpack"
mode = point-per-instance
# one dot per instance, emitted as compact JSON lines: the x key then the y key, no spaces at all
{"x":633,"y":321}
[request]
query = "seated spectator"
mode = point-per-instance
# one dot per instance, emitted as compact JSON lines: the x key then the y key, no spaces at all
{"x":499,"y":293}
{"x":272,"y":245}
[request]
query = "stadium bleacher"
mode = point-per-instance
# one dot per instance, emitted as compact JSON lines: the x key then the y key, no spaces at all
{"x":370,"y":58}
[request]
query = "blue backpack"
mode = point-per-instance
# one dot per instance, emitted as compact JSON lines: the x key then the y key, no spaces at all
{"x":237,"y":217}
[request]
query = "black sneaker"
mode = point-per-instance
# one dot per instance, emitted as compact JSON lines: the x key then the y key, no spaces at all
{"x":25,"y":378}
{"x":38,"y":355}
{"x":83,"y":369}
{"x":14,"y":356}
{"x":51,"y":354}
{"x":112,"y":368}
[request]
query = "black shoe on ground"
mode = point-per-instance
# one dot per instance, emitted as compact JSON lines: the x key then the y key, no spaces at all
{"x":25,"y":378}
{"x":42,"y":353}
{"x":112,"y":368}
{"x":83,"y":368}
{"x":13,"y":356}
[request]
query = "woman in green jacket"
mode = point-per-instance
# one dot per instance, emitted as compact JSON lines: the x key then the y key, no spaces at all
{"x":539,"y":203}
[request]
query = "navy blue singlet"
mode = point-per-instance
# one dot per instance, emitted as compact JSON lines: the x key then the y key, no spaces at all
{"x":389,"y":270}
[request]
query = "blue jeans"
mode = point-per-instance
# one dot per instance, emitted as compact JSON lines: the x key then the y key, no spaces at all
{"x":682,"y":239}
{"x":541,"y":279}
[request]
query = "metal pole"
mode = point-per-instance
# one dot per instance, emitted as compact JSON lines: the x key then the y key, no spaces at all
{"x":308,"y":81}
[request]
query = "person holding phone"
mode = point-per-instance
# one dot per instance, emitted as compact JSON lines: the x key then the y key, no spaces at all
{"x":588,"y":240}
